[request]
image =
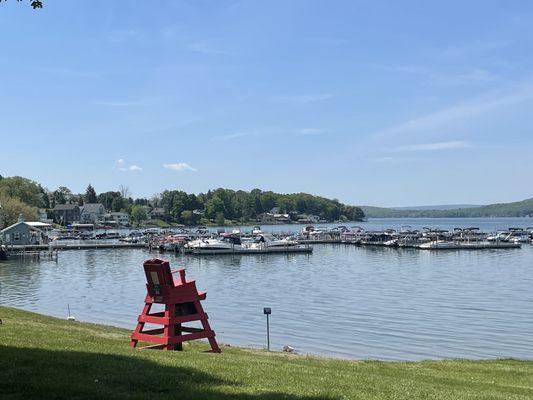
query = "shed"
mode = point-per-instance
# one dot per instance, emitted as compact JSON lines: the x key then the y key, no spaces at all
{"x":21,"y":233}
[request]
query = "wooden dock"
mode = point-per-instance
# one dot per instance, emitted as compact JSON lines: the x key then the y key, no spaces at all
{"x":267,"y":250}
{"x":77,"y":246}
{"x":320,"y":241}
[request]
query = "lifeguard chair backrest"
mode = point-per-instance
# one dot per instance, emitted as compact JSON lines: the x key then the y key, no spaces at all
{"x":158,"y":276}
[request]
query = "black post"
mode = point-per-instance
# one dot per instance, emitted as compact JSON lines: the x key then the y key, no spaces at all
{"x":267,"y":311}
{"x":268,"y":334}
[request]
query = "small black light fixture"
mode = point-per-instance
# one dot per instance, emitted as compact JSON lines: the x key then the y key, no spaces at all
{"x":267,"y":311}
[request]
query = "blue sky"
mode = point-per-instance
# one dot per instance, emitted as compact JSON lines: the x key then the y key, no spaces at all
{"x":370,"y":102}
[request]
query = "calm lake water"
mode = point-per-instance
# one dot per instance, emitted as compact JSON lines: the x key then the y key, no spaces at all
{"x":342,"y":300}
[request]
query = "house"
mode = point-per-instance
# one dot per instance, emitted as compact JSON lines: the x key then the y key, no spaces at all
{"x":91,"y":213}
{"x":122,"y":219}
{"x":158,"y":213}
{"x":270,"y":218}
{"x":22,"y":233}
{"x":307,"y":218}
{"x":66,"y":214}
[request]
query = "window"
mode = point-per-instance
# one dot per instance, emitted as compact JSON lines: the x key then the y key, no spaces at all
{"x":16,"y":236}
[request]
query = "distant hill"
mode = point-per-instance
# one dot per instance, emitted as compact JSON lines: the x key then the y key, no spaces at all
{"x":522,"y":208}
{"x":438,"y":207}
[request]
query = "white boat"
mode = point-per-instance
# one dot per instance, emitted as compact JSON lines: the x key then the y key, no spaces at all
{"x":264,"y":241}
{"x":446,"y":245}
{"x":228,"y":243}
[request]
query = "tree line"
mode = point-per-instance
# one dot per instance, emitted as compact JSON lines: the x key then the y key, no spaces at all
{"x":22,"y":195}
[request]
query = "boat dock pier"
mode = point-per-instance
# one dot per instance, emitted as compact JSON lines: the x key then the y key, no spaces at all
{"x":75,"y":246}
{"x":245,"y":251}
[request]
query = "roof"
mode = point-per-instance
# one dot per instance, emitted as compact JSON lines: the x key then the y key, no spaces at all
{"x":65,"y":207}
{"x":19,"y":223}
{"x":92,"y":208}
{"x":39,"y":224}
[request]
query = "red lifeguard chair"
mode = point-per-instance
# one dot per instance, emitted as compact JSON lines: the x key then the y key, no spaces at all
{"x":182,"y":304}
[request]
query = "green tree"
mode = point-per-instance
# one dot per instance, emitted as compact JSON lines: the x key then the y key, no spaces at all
{"x":189,"y":218}
{"x":11,"y":208}
{"x":90,"y":195}
{"x":214,"y":207}
{"x":24,"y":189}
{"x":118,"y":204}
{"x":138,"y":214}
{"x":106,"y":199}
{"x":61,"y":195}
{"x":220,"y":219}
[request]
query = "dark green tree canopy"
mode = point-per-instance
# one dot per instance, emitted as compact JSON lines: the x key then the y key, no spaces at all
{"x":90,"y":194}
{"x":34,"y":3}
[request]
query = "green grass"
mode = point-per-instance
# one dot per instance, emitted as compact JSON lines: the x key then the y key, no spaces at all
{"x":48,"y":358}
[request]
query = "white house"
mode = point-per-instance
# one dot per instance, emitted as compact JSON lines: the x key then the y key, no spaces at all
{"x":122,"y":219}
{"x":92,"y":213}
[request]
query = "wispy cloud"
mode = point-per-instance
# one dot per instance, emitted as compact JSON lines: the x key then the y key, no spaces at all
{"x":237,"y":135}
{"x":122,"y":166}
{"x":71,"y":73}
{"x":181,"y":166}
{"x":385,"y":160}
{"x":456,"y":144}
{"x":205,"y":48}
{"x":441,"y":76}
{"x":124,"y":103}
{"x":473,"y":48}
{"x":310,"y":131}
{"x":271,"y":132}
{"x":458,"y":115}
{"x":302,"y":98}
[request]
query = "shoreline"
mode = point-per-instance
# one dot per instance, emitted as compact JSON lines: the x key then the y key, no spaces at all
{"x":45,"y":357}
{"x":251,"y":348}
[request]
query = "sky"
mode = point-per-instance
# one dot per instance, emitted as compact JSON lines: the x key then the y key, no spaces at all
{"x":380,"y":103}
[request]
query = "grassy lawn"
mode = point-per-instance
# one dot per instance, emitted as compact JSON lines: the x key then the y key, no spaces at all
{"x":43,"y":357}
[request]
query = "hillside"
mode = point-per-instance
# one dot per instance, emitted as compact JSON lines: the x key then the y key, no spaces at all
{"x":48,"y":358}
{"x":522,"y":208}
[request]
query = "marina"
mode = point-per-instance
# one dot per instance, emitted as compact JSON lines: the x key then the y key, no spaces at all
{"x":289,"y":239}
{"x":382,"y":302}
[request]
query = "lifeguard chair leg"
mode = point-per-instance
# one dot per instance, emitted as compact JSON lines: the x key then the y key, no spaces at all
{"x":177,"y":331}
{"x":140,"y":325}
{"x":207,"y":328}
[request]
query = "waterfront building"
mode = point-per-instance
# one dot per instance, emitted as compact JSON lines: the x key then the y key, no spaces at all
{"x":270,"y":218}
{"x":159,"y":213}
{"x":91,"y":213}
{"x":22,"y":233}
{"x":66,"y":214}
{"x":120,"y":218}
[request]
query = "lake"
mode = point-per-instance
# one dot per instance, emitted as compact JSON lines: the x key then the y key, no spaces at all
{"x":342,"y":300}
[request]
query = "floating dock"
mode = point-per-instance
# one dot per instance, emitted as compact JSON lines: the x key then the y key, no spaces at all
{"x":76,"y":246}
{"x":267,"y":250}
{"x":320,"y":241}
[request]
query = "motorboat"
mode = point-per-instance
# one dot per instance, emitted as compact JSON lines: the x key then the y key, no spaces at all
{"x":447,"y":245}
{"x":225,"y":242}
{"x":264,"y":241}
{"x":500,"y":236}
